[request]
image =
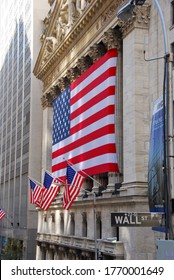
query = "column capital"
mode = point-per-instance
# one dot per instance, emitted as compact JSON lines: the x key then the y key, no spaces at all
{"x":73,"y":74}
{"x":63,"y":83}
{"x":46,"y":100}
{"x":48,"y":97}
{"x":140,"y":19}
{"x":84,"y":63}
{"x":112,"y":39}
{"x":97,"y":51}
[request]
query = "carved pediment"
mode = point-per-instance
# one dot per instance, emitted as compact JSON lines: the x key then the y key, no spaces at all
{"x":65,"y":15}
{"x":63,"y":25}
{"x":73,"y":32}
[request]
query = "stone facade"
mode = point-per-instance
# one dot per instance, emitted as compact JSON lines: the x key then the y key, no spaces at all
{"x":89,"y":29}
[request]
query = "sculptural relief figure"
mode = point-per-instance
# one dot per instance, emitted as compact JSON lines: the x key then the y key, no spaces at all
{"x":62,"y":22}
{"x":68,"y":14}
{"x":61,"y":29}
{"x":51,"y":43}
{"x":68,"y":11}
{"x":51,"y":2}
{"x":81,"y":5}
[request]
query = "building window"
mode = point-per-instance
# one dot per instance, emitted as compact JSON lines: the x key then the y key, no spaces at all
{"x":53,"y":217}
{"x":72,"y":224}
{"x":61,"y":223}
{"x":84,"y":224}
{"x":51,"y":254}
{"x":45,"y":217}
{"x":172,"y":51}
{"x":43,"y":253}
{"x":99,"y":225}
{"x":115,"y":232}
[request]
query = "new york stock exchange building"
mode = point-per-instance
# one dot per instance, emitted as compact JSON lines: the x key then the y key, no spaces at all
{"x":98,"y":96}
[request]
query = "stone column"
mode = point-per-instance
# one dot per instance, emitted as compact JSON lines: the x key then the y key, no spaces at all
{"x":135,"y":104}
{"x":38,"y":251}
{"x":48,"y":253}
{"x":47,"y":131}
{"x":61,"y":251}
{"x":56,"y":255}
{"x":47,"y":104}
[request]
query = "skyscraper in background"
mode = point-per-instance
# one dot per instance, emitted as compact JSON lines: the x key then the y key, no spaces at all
{"x":21,"y":23}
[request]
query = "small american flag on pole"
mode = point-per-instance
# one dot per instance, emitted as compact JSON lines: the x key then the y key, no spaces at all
{"x":84,"y":121}
{"x":2,"y":214}
{"x":51,"y":187}
{"x":72,"y":189}
{"x":35,"y":193}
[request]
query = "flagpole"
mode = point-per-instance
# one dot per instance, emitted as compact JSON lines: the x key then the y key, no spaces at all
{"x":95,"y":220}
{"x":11,"y":220}
{"x":83,"y":172}
{"x":35,"y":181}
{"x":63,"y":183}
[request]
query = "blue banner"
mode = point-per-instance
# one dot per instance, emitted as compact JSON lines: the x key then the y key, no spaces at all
{"x":156,"y":159}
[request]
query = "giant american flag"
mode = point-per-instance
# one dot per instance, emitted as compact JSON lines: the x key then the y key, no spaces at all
{"x":84,"y":121}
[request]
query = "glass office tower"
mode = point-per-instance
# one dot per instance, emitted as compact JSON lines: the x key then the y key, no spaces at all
{"x":20,"y":123}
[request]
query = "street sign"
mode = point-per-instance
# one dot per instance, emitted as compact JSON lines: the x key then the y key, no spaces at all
{"x":141,"y":219}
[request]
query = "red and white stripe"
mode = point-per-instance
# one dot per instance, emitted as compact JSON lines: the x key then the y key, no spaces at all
{"x":72,"y":190}
{"x":2,"y":214}
{"x":35,"y":195}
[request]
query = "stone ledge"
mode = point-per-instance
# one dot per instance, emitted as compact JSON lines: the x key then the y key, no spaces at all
{"x":107,"y":247}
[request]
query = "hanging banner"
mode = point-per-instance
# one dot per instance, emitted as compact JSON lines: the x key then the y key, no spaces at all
{"x":156,"y":158}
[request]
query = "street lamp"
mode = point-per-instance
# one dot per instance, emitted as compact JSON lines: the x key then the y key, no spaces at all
{"x":125,"y":13}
